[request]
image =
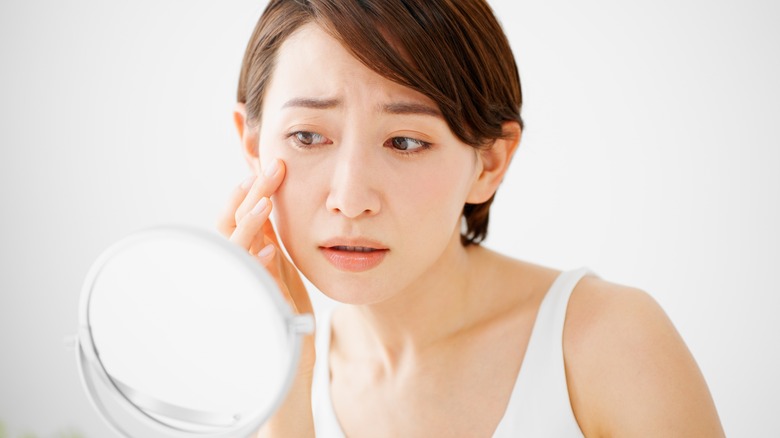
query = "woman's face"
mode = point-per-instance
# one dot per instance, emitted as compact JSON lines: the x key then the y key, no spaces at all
{"x":375,"y":182}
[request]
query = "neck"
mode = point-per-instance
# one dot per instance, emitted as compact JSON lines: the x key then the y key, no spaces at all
{"x":436,"y":306}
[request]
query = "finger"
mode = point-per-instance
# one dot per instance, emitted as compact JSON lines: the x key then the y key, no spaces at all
{"x":263,"y":187}
{"x":250,"y":227}
{"x":226,"y":222}
{"x":266,"y":256}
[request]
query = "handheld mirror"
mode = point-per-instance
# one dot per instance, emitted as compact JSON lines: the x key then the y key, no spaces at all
{"x":183,"y":334}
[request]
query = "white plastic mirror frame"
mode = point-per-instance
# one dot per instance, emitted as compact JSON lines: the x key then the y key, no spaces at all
{"x":95,"y":379}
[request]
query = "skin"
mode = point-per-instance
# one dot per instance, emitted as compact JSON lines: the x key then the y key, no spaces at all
{"x":434,"y":318}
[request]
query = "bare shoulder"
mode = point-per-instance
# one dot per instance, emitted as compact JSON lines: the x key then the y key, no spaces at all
{"x":628,"y":370}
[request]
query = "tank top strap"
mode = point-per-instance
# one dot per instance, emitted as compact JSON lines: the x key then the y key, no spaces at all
{"x":326,"y":423}
{"x":539,"y":405}
{"x":557,"y":299}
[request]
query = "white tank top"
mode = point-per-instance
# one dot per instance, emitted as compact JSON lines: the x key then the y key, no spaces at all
{"x":539,"y":405}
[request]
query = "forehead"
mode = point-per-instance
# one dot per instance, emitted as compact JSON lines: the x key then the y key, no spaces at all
{"x":314,"y":64}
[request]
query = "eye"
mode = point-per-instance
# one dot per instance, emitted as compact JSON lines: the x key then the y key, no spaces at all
{"x":407,"y":144}
{"x":306,"y":138}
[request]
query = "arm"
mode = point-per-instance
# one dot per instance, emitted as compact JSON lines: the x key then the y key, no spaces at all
{"x":294,"y":417}
{"x":629,"y":371}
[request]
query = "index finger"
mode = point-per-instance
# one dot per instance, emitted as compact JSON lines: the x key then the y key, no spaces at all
{"x":263,"y":187}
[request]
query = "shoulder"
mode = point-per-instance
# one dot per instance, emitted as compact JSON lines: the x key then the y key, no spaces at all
{"x":628,"y":370}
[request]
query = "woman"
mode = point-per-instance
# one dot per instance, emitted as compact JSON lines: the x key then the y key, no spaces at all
{"x":378,"y":133}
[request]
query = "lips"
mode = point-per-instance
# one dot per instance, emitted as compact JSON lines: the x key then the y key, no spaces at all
{"x":354,"y":255}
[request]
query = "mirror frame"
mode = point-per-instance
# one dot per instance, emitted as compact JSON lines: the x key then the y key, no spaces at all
{"x":89,"y":364}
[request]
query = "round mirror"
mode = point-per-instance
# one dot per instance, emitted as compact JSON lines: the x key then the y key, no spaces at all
{"x":183,"y":334}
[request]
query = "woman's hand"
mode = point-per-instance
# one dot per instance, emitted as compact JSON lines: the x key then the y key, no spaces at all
{"x":245,"y":223}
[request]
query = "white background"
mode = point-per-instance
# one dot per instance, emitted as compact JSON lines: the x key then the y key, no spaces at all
{"x":651,"y":154}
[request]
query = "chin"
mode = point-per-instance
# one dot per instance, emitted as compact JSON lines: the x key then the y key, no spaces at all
{"x":354,"y":290}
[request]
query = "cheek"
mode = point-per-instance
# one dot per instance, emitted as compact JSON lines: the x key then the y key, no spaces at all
{"x":270,"y":150}
{"x":432,"y":187}
{"x":296,"y":200}
{"x":439,"y":187}
{"x":290,"y":216}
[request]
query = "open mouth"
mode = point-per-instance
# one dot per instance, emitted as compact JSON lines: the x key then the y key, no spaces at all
{"x":354,"y":258}
{"x":354,"y":248}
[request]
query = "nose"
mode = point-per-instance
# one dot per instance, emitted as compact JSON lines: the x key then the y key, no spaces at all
{"x":353,"y":187}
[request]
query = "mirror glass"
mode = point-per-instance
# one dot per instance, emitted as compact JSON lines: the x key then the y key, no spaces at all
{"x":185,"y":334}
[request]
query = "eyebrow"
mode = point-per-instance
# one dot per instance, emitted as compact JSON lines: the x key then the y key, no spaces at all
{"x":399,"y":108}
{"x":405,"y":108}
{"x":306,"y":102}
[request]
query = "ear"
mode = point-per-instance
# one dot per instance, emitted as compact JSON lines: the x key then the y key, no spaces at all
{"x":249,"y":136}
{"x":493,"y":163}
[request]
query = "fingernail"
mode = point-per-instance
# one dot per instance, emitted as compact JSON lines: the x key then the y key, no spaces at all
{"x":260,"y":206}
{"x":266,"y":251}
{"x":272,"y":169}
{"x":248,"y":181}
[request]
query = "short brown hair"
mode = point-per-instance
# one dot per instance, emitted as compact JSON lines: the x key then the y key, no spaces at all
{"x":453,"y":51}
